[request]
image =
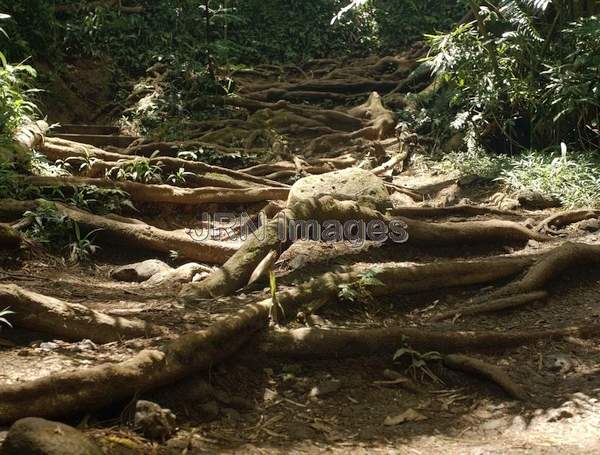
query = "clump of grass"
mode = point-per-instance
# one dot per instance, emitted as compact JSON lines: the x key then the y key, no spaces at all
{"x":574,"y":179}
{"x":472,"y":162}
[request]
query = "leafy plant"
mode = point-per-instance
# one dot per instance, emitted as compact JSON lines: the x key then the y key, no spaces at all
{"x":524,"y":75}
{"x":59,"y":232}
{"x":179,"y":176}
{"x":82,"y":248}
{"x":138,"y":169}
{"x":360,"y":289}
{"x":418,"y":367}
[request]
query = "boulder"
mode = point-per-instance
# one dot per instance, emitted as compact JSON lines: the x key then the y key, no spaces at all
{"x":35,"y":436}
{"x":348,"y":184}
{"x":140,"y":271}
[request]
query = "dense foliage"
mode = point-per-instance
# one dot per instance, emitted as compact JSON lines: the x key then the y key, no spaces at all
{"x":15,"y":104}
{"x":525,"y":73}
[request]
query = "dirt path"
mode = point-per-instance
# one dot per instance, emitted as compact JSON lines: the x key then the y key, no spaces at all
{"x":324,"y":118}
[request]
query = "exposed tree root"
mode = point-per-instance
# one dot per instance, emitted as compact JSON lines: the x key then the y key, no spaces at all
{"x":61,"y":149}
{"x":381,"y":123}
{"x":316,"y":343}
{"x":169,"y":194}
{"x":138,"y":234}
{"x":504,"y":303}
{"x":550,"y":265}
{"x":559,"y":220}
{"x":69,"y":321}
{"x":456,"y":210}
{"x":92,"y":388}
{"x":486,"y":370}
{"x":237,"y":271}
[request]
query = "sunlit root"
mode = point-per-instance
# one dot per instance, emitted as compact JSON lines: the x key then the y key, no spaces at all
{"x":237,"y":271}
{"x":100,"y":161}
{"x":134,"y":234}
{"x":317,"y":343}
{"x":68,"y":321}
{"x":140,"y":192}
{"x":504,"y":303}
{"x":559,"y":220}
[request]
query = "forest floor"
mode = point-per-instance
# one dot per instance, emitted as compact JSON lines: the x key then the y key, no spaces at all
{"x":262,"y":404}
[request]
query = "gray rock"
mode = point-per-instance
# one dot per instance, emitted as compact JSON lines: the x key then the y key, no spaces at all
{"x":348,"y":184}
{"x":153,"y":421}
{"x":35,"y":436}
{"x":560,"y":363}
{"x":532,"y":200}
{"x":592,"y":225}
{"x":183,"y":274}
{"x":140,"y":271}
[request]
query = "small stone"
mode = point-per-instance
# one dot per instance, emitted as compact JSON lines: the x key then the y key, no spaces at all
{"x":154,"y":422}
{"x":183,"y":274}
{"x":325,"y":388}
{"x":533,"y":200}
{"x":560,"y":363}
{"x":48,"y":346}
{"x":35,"y":436}
{"x":589,"y":225}
{"x":140,"y":271}
{"x":518,"y":424}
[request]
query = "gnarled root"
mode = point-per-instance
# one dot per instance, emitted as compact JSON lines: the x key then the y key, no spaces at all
{"x":141,"y":192}
{"x":236,"y":272}
{"x":69,"y":321}
{"x":550,"y":265}
{"x":139,"y":233}
{"x":559,"y":220}
{"x":316,"y":343}
{"x":486,"y":370}
{"x":92,"y":388}
{"x":504,"y":303}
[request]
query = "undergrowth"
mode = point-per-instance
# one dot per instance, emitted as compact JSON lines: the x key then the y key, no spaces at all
{"x":572,"y":178}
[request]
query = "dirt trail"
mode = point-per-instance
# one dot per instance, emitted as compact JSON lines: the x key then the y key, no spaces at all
{"x":325,"y":117}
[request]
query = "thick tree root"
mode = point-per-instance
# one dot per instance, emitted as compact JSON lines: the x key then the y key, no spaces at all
{"x":455,"y":210}
{"x":68,"y":321}
{"x":559,"y":220}
{"x":550,"y":265}
{"x":101,"y":161}
{"x":495,"y":305}
{"x":92,"y":388}
{"x":316,"y":343}
{"x":141,"y":192}
{"x":138,"y":234}
{"x":236,"y":272}
{"x":486,"y":370}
